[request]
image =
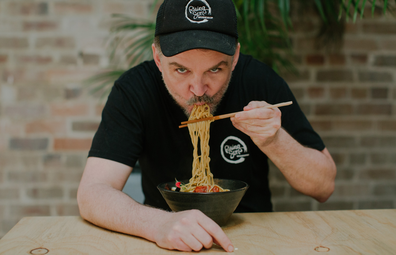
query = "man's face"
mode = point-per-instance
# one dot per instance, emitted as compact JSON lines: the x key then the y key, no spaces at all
{"x":196,"y":76}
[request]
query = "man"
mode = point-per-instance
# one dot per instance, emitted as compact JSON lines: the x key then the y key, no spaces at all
{"x":197,"y":60}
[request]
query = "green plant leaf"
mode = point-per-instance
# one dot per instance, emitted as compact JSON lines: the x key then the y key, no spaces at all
{"x":261,"y":14}
{"x":356,"y":11}
{"x":362,"y":9}
{"x":373,"y":7}
{"x":320,"y":9}
{"x":246,"y":16}
{"x":102,"y":83}
{"x":347,"y":9}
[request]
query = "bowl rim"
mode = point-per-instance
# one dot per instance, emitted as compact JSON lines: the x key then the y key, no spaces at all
{"x":204,"y":194}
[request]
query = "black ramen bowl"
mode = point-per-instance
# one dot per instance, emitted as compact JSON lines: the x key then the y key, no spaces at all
{"x":216,"y":205}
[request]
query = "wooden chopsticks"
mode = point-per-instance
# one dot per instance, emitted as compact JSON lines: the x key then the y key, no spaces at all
{"x":229,"y":115}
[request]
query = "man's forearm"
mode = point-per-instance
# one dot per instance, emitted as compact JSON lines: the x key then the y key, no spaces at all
{"x":309,"y":171}
{"x":112,"y":209}
{"x":102,"y":202}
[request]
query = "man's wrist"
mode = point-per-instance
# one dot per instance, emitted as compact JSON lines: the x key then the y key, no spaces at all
{"x":270,"y":143}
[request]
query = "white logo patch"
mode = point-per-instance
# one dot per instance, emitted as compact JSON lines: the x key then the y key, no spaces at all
{"x":198,"y":11}
{"x":233,"y":150}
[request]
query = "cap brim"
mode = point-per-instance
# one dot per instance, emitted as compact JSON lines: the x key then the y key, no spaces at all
{"x":175,"y":43}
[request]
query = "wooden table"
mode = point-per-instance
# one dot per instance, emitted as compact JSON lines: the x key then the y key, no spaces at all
{"x":321,"y":232}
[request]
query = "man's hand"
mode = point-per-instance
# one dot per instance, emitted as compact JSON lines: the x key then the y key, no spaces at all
{"x":307,"y":170}
{"x":259,"y":123}
{"x":190,"y":231}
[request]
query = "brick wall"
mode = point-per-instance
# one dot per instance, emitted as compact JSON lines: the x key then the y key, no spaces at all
{"x":47,"y":117}
{"x":349,"y":96}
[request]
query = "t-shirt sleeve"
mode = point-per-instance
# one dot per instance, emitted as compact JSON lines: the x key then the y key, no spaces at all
{"x":119,"y":136}
{"x":294,"y":120}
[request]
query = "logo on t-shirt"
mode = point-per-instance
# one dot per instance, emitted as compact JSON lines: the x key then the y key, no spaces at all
{"x":233,"y":150}
{"x":198,"y":11}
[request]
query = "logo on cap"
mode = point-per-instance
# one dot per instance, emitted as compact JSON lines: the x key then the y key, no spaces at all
{"x":198,"y":11}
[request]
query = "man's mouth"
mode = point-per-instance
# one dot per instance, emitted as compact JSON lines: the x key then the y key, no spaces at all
{"x":200,"y":103}
{"x":205,"y":99}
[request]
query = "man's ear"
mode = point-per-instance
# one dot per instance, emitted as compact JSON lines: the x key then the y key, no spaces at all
{"x":156,"y":56}
{"x":236,"y":56}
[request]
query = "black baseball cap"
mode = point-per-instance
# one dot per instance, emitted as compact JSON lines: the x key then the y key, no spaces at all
{"x":197,"y":24}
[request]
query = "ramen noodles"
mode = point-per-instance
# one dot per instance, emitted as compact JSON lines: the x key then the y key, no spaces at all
{"x":202,"y":178}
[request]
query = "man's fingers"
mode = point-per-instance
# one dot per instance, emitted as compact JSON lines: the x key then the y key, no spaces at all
{"x":203,"y":237}
{"x":175,"y":245}
{"x":192,"y":242}
{"x":217,"y":233}
{"x":181,"y":246}
{"x":255,"y":104}
{"x":192,"y":230}
{"x":257,"y":114}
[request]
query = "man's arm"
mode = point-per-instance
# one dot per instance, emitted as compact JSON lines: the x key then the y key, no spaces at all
{"x":102,"y":202}
{"x":309,"y":171}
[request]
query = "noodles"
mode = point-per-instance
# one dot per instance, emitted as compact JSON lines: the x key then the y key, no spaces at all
{"x":199,"y":133}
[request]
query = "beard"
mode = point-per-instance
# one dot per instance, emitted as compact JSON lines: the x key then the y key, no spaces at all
{"x":211,"y":101}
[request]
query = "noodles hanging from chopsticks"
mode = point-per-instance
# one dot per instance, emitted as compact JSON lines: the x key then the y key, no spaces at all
{"x":199,"y":132}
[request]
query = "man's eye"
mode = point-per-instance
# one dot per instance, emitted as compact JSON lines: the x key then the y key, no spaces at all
{"x":215,"y":70}
{"x":181,"y":70}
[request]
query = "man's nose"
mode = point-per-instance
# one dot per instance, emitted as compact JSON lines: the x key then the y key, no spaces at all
{"x":198,"y":86}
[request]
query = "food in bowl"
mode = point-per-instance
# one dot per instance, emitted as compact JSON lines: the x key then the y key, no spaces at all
{"x":216,"y":205}
{"x":180,"y":187}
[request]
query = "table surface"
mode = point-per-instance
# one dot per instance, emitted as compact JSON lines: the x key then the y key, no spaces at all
{"x":324,"y":232}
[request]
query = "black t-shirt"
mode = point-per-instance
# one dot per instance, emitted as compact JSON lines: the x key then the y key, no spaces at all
{"x":140,"y":121}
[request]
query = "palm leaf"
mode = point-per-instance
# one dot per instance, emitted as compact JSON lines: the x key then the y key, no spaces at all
{"x":385,"y":5}
{"x":373,"y":8}
{"x":358,"y":6}
{"x":321,"y":9}
{"x":101,"y":83}
{"x":262,"y":33}
{"x":362,"y":9}
{"x":130,"y":38}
